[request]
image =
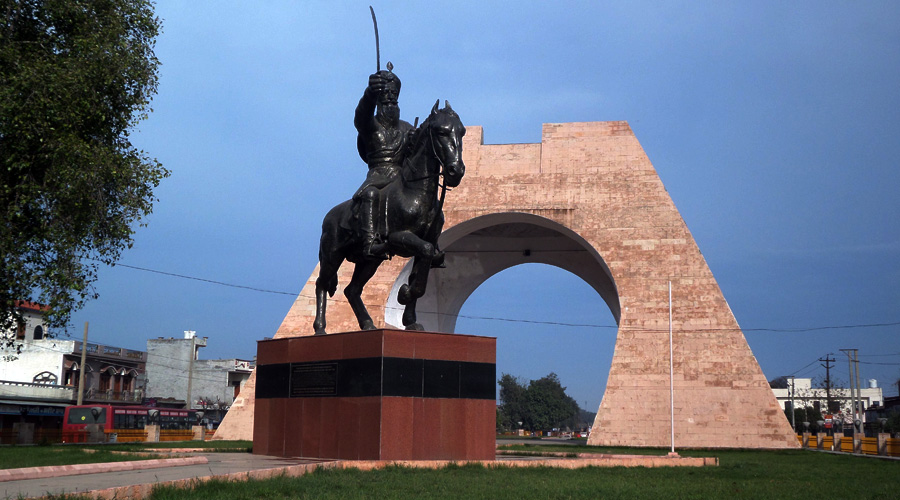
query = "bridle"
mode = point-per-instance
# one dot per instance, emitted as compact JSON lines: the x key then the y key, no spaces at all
{"x":442,"y":183}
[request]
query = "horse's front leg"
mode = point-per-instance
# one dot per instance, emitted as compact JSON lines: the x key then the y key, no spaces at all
{"x":321,"y":303}
{"x":433,"y":234}
{"x":423,"y":252}
{"x":362,"y":273}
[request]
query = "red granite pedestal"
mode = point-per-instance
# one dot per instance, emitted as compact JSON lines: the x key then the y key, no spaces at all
{"x":377,"y":395}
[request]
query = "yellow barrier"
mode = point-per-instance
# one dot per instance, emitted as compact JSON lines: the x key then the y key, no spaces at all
{"x":179,"y":435}
{"x":870,"y":446}
{"x":893,"y":447}
{"x":129,"y":435}
{"x":8,"y":436}
{"x":47,"y":436}
{"x":847,"y":444}
{"x":828,"y":442}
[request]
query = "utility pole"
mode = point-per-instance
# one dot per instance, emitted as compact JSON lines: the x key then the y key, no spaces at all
{"x":80,"y":399}
{"x":191,"y":369}
{"x":854,"y":385}
{"x":793,"y":412}
{"x":828,"y":360}
{"x":858,"y":394}
{"x":671,"y":377}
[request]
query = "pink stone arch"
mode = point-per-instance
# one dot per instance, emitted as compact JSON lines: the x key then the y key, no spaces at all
{"x":588,"y":200}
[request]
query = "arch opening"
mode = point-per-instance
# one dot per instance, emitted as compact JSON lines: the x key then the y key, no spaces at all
{"x":484,"y":246}
{"x":574,"y":339}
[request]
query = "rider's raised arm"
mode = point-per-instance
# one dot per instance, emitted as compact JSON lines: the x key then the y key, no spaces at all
{"x":365,"y":110}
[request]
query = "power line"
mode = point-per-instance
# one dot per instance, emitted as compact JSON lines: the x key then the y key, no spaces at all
{"x":176,"y":368}
{"x":214,"y":282}
{"x":517,"y":320}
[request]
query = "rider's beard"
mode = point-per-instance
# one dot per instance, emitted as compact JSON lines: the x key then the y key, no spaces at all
{"x":390,"y":113}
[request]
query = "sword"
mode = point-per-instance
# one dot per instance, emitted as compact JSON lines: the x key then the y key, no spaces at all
{"x":377,"y":48}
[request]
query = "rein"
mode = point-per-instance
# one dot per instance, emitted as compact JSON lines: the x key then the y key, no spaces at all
{"x":440,"y":173}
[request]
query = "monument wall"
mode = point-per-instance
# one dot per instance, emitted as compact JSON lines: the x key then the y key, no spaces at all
{"x":587,"y":199}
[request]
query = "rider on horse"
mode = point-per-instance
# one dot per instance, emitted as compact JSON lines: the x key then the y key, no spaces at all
{"x":383,"y":143}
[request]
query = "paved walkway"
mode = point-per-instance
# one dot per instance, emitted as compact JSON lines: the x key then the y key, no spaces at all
{"x":217,"y":464}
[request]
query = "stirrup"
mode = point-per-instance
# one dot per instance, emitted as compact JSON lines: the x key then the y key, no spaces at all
{"x":438,"y":261}
{"x":373,"y":249}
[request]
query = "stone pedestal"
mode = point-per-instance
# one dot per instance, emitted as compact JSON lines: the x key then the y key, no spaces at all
{"x":377,"y":395}
{"x":152,"y":433}
{"x":882,"y":443}
{"x":857,"y":442}
{"x":838,"y":437}
{"x":199,"y":432}
{"x":95,"y":433}
{"x":820,"y":440}
{"x":24,"y":432}
{"x":805,"y":438}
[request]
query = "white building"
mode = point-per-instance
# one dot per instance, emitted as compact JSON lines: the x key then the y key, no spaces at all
{"x":39,"y":376}
{"x":806,"y":396}
{"x":175,"y":373}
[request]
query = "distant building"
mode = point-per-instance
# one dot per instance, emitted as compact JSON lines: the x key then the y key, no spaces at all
{"x":807,"y":396}
{"x":175,"y":372}
{"x":39,"y":376}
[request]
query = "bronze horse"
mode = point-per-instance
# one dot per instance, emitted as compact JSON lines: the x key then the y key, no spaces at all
{"x":413,"y":219}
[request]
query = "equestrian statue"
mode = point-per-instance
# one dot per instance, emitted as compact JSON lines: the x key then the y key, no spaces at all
{"x":398,"y":209}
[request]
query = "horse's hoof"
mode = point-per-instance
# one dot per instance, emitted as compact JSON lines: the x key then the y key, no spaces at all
{"x":415,"y":327}
{"x":403,"y":296}
{"x":367,"y":325}
{"x":320,"y":332}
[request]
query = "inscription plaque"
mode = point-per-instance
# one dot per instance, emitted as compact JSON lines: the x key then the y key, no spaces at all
{"x":313,"y":379}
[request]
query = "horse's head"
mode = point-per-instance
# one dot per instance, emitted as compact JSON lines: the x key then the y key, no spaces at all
{"x":445,"y":131}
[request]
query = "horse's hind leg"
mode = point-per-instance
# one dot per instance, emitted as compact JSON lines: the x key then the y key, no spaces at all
{"x":409,"y":316}
{"x":362,"y":273}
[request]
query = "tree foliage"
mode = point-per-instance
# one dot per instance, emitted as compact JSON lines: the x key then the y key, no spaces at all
{"x":542,"y":405}
{"x":512,"y":395}
{"x":76,"y":76}
{"x":779,"y":383}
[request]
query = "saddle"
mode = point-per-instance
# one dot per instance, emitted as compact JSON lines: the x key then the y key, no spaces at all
{"x":351,"y":218}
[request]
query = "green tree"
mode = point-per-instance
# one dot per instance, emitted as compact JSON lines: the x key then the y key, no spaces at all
{"x":76,"y":76}
{"x":548,"y":405}
{"x":512,"y":406}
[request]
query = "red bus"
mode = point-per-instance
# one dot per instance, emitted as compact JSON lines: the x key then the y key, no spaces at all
{"x":113,"y":419}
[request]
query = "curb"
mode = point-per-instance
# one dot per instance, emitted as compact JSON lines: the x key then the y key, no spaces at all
{"x":72,"y":470}
{"x":141,"y":491}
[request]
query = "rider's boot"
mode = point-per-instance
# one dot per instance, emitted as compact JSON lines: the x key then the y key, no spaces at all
{"x":372,"y":248}
{"x":437,"y":262}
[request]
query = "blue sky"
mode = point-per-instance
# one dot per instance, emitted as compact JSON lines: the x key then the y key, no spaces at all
{"x":774,"y":126}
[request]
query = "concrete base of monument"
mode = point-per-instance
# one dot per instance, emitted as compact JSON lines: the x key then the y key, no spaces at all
{"x":377,"y":395}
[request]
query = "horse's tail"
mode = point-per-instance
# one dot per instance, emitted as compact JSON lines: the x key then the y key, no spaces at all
{"x":329,"y":284}
{"x":331,"y":248}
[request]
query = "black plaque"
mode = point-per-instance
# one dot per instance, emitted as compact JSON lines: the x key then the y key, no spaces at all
{"x":313,"y":379}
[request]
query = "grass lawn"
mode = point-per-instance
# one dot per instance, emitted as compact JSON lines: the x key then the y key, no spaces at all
{"x":12,"y":457}
{"x":741,"y":474}
{"x":615,"y":450}
{"x":211,"y":446}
